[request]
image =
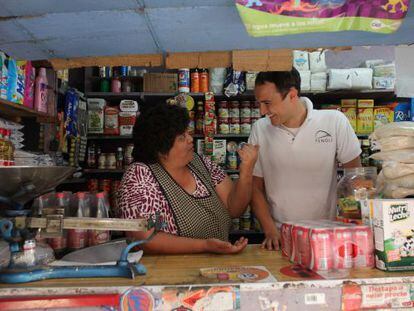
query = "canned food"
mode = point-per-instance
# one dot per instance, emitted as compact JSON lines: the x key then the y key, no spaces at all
{"x":224,"y":128}
{"x":235,"y":128}
{"x":232,"y":161}
{"x":203,"y":81}
{"x":286,"y":239}
{"x":223,"y":110}
{"x":245,"y":128}
{"x":255,"y":109}
{"x":195,"y":81}
{"x":234,"y":109}
{"x":245,"y":111}
{"x":102,"y":161}
{"x":77,"y":238}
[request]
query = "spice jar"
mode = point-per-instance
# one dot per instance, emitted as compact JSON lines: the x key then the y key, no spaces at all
{"x":356,"y":184}
{"x":102,"y":161}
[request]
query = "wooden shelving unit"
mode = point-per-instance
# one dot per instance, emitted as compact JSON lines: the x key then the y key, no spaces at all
{"x":9,"y":109}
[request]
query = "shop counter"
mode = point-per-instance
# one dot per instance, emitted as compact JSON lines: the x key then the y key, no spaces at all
{"x":293,"y":288}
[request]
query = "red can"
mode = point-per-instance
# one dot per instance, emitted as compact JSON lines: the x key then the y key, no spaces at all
{"x":304,"y":249}
{"x":96,"y":237}
{"x":343,"y":248}
{"x":105,"y":185}
{"x":321,"y":240}
{"x":93,"y":185}
{"x":294,"y":256}
{"x":286,"y":239}
{"x":363,"y":247}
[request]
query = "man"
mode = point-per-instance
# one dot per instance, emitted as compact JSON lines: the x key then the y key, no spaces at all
{"x":295,"y":175}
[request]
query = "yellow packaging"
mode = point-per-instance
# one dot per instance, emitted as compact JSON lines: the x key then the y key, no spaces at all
{"x":383,"y":115}
{"x":348,"y":103}
{"x":365,"y":103}
{"x":351,"y":114}
{"x":365,"y":120}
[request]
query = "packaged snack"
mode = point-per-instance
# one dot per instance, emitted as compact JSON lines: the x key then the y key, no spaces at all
{"x":365,"y":116}
{"x":383,"y":115}
{"x":348,"y":107}
{"x":4,"y":75}
{"x":96,"y":108}
{"x":111,"y":121}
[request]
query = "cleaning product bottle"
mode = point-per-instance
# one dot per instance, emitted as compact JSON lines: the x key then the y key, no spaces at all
{"x":40,"y":100}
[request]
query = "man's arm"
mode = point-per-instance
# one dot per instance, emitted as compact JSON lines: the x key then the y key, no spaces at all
{"x":353,"y":163}
{"x":165,"y":243}
{"x":260,"y":208}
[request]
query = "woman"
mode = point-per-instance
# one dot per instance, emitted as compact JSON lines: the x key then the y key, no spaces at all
{"x":193,"y":195}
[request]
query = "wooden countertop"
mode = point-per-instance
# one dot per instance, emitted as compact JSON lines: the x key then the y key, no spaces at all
{"x":185,"y":269}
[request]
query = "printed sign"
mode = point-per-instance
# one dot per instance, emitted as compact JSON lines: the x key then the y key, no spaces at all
{"x":283,"y":17}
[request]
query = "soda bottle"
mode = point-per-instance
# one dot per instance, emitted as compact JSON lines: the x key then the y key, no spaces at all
{"x":101,"y":210}
{"x":78,"y":238}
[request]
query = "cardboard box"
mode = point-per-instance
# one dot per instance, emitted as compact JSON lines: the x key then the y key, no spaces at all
{"x":267,"y":60}
{"x":198,"y":60}
{"x":348,"y":107}
{"x":393,"y":232}
{"x":160,"y":82}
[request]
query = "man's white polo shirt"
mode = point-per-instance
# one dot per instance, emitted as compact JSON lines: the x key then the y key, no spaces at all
{"x":299,"y":170}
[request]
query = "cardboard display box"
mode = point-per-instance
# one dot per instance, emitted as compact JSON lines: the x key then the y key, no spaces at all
{"x":160,"y":82}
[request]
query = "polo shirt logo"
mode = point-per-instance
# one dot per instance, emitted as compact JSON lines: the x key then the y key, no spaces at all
{"x":322,"y":136}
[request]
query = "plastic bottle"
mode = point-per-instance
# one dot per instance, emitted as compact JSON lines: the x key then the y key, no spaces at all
{"x":9,"y":148}
{"x":101,"y":211}
{"x":78,"y":238}
{"x":40,"y":100}
{"x":60,"y":243}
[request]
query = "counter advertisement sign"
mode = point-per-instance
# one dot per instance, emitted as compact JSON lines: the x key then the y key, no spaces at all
{"x":281,"y":17}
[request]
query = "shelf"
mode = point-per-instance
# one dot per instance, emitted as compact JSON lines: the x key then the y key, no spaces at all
{"x":249,"y":93}
{"x":103,"y":171}
{"x":73,"y":181}
{"x":108,"y":137}
{"x":224,"y":136}
{"x":9,"y":109}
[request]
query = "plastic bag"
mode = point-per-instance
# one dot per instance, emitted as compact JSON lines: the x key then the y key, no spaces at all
{"x":392,"y":170}
{"x":402,"y":182}
{"x":404,"y":156}
{"x":405,"y":128}
{"x":393,"y":143}
{"x":235,"y":83}
{"x":394,"y":192}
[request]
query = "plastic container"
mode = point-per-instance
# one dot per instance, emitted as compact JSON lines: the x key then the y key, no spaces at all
{"x":356,"y":184}
{"x":40,"y":98}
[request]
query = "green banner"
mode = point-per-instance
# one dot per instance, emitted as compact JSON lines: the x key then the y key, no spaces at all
{"x":278,"y":17}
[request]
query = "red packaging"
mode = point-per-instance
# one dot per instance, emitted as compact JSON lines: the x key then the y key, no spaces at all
{"x":343,"y":248}
{"x":93,"y":185}
{"x":96,"y":237}
{"x":286,"y":239}
{"x":363,"y":247}
{"x":111,"y":126}
{"x":58,"y":243}
{"x":105,"y":185}
{"x":303,"y":243}
{"x":77,"y":238}
{"x":321,"y":240}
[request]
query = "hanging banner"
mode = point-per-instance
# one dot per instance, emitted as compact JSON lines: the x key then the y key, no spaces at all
{"x":281,"y":17}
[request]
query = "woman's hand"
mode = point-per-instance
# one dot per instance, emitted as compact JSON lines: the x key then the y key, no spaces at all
{"x":248,"y":156}
{"x":221,"y":247}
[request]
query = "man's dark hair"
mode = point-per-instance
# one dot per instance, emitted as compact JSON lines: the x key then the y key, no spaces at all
{"x":155,"y":131}
{"x":283,"y":80}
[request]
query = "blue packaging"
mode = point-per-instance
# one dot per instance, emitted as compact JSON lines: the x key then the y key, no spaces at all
{"x":12,"y":80}
{"x":412,"y":110}
{"x":402,"y":112}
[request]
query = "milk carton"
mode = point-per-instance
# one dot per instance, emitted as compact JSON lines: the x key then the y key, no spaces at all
{"x":394,"y":234}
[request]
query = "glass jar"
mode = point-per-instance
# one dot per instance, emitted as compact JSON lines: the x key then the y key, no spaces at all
{"x":356,"y":184}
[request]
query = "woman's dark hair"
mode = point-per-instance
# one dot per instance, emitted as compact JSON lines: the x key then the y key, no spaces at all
{"x":283,"y":80}
{"x":155,"y":131}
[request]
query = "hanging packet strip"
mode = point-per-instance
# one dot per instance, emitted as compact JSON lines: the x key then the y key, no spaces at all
{"x":281,"y":17}
{"x":71,"y":113}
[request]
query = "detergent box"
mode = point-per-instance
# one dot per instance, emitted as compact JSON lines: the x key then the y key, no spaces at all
{"x":393,"y":221}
